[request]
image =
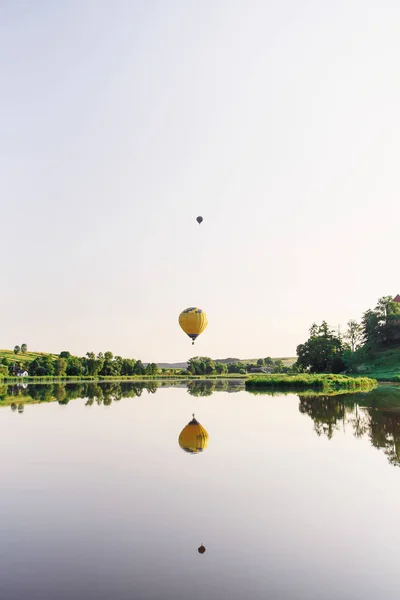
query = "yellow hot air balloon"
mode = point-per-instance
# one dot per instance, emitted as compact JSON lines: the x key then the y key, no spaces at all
{"x":193,"y":321}
{"x":193,"y":438}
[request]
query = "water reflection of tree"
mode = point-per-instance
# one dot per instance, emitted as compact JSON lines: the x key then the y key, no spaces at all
{"x":385,"y":433}
{"x":105,"y":393}
{"x":108,"y":392}
{"x":360,"y":420}
{"x":331,"y":414}
{"x":204,"y":387}
{"x":326,"y":413}
{"x":200,"y":388}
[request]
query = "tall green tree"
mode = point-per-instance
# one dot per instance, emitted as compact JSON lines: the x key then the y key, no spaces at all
{"x":41,"y":366}
{"x":322,"y":352}
{"x":382,"y":325}
{"x":24,"y":348}
{"x":139,"y":368}
{"x":60,"y":367}
{"x":128,"y":366}
{"x":74,"y":367}
{"x":201,"y":365}
{"x":17,"y":349}
{"x":151,"y":369}
{"x":221,"y":368}
{"x":354,"y":335}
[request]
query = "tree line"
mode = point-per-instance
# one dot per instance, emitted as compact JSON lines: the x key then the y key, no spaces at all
{"x":103,"y":364}
{"x":328,"y":351}
{"x":107,"y":365}
{"x":204,"y":365}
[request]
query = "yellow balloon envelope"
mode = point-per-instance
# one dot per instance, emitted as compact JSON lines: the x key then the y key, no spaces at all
{"x":193,"y":321}
{"x":193,"y":438}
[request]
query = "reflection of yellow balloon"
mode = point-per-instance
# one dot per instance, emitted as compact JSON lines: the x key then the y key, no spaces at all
{"x":193,"y":321}
{"x":193,"y":438}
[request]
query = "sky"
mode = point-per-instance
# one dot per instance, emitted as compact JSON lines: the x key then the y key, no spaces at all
{"x":121,"y":122}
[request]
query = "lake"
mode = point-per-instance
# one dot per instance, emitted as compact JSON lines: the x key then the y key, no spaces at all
{"x":293,"y":497}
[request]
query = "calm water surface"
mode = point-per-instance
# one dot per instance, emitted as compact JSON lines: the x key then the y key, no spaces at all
{"x":294,"y":498}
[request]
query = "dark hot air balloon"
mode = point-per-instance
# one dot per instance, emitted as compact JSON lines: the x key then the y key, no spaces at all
{"x":202,"y":549}
{"x":199,"y":220}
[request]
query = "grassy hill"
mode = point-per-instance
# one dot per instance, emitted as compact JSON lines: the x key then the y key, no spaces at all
{"x":21,"y":357}
{"x":382,"y":364}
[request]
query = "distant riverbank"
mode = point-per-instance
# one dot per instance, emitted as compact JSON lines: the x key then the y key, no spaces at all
{"x":316,"y":381}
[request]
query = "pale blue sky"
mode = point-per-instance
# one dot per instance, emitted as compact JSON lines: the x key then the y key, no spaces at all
{"x":279,"y":122}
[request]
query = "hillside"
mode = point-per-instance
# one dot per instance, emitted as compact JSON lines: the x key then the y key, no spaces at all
{"x":21,"y":357}
{"x":383,"y":364}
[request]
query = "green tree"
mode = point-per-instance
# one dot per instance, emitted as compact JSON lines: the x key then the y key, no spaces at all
{"x":221,"y":368}
{"x":260,"y":362}
{"x":108,"y":368}
{"x":60,"y":367}
{"x":65,"y":354}
{"x":201,"y":365}
{"x":92,"y":364}
{"x":118,"y":360}
{"x":151,"y":369}
{"x":24,"y":348}
{"x":354,"y":335}
{"x":41,"y":366}
{"x":74,"y":367}
{"x":139,"y":368}
{"x":382,"y":325}
{"x":321,"y":351}
{"x":128,"y":366}
{"x":17,"y":349}
{"x":278,"y":366}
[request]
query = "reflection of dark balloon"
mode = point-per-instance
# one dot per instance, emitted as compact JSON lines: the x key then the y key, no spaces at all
{"x":20,"y":408}
{"x":13,"y":406}
{"x":202,"y":549}
{"x":199,"y":220}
